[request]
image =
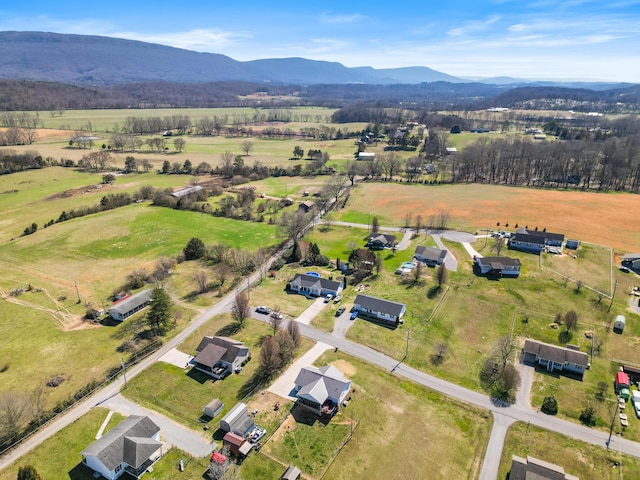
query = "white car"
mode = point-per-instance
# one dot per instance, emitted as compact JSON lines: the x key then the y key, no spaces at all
{"x":328,"y":297}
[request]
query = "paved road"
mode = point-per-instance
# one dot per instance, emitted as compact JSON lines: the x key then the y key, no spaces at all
{"x":184,"y":438}
{"x":449,"y":261}
{"x":114,"y":388}
{"x":491,"y":462}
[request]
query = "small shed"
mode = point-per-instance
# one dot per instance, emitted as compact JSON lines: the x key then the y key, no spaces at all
{"x":213,"y":408}
{"x":622,"y":380}
{"x":572,"y":244}
{"x":618,"y":324}
{"x":291,"y":473}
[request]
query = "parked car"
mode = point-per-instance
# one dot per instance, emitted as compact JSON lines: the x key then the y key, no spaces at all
{"x":277,"y":315}
{"x":337,"y":299}
{"x":353,"y":316}
{"x":624,"y":269}
{"x":328,"y":297}
{"x":340,"y":311}
{"x":263,"y":309}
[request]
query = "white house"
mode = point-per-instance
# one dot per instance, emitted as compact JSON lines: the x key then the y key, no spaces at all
{"x":321,"y":390}
{"x":379,"y":309}
{"x":132,"y":446}
{"x":313,"y":286}
{"x":127,"y":306}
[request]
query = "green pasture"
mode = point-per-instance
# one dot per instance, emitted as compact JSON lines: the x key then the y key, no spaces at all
{"x":446,"y":439}
{"x":582,"y":460}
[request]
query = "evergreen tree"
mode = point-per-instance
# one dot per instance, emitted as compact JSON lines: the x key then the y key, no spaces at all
{"x":159,"y":316}
{"x":194,"y":250}
{"x":296,"y":253}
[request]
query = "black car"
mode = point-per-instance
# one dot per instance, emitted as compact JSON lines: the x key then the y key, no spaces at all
{"x":264,"y":310}
{"x":340,"y":311}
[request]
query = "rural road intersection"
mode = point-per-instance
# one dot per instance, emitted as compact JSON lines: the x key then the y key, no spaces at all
{"x":504,"y":415}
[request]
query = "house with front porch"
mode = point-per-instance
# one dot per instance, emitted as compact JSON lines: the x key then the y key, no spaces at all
{"x":554,"y":358}
{"x":312,"y":286}
{"x":497,"y":267}
{"x":380,"y":241}
{"x":321,"y":390}
{"x":385,"y":311}
{"x":128,"y":305}
{"x":430,"y":256}
{"x":130,"y":447}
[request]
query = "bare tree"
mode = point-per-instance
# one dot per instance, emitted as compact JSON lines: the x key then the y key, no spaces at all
{"x":440,"y":275}
{"x":418,"y":224}
{"x":443,"y":219}
{"x":179,"y":144}
{"x":294,"y":332}
{"x":508,"y":383}
{"x":504,"y":347}
{"x":375,"y":225}
{"x":269,"y":357}
{"x":578,"y":285}
{"x":286,"y":347}
{"x":164,"y":268}
{"x":336,"y":186}
{"x":201,"y":278}
{"x":222,"y":273}
{"x":498,"y":245}
{"x":570,"y":320}
{"x":246,"y":147}
{"x":240,"y":308}
{"x":293,"y":224}
{"x":14,"y":413}
{"x":226,"y":166}
{"x":353,"y":170}
{"x":377,"y":263}
{"x":439,"y":353}
{"x":417,"y":272}
{"x":276,"y":319}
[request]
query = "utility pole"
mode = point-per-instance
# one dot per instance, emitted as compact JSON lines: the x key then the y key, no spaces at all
{"x":613,"y":420}
{"x":124,"y":372}
{"x":406,"y":353}
{"x":615,"y":287}
{"x":248,"y":289}
{"x":75,"y":284}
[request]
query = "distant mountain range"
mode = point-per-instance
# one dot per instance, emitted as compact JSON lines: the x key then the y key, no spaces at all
{"x":99,"y":61}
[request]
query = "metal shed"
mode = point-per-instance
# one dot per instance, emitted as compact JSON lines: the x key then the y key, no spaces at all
{"x":618,"y":324}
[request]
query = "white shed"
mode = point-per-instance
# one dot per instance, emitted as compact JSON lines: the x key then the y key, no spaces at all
{"x":618,"y":324}
{"x":214,"y":407}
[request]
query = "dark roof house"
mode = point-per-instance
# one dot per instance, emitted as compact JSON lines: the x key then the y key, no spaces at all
{"x":430,"y":255}
{"x":379,"y":241}
{"x":219,"y":356}
{"x":535,"y":240}
{"x":306,"y":206}
{"x":380,"y":309}
{"x":132,"y":446}
{"x":534,"y":469}
{"x":555,"y":358}
{"x":497,"y":267}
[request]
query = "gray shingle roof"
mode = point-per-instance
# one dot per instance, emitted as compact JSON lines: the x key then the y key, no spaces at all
{"x":226,"y":349}
{"x":130,"y":441}
{"x":555,"y":353}
{"x":309,"y":281}
{"x":132,"y":302}
{"x":498,"y":262}
{"x":524,"y":237}
{"x":379,"y":305}
{"x":318,"y":384}
{"x":431,"y":253}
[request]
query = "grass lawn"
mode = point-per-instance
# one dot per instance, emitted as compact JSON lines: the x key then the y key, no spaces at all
{"x":182,"y":394}
{"x":386,"y":408}
{"x":59,"y":456}
{"x":583,"y":460}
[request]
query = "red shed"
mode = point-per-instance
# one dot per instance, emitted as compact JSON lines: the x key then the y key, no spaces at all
{"x":622,"y":380}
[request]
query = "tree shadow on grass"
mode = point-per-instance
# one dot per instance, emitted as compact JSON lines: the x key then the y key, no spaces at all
{"x":433,"y":292}
{"x":229,"y":330}
{"x":255,"y":382}
{"x":565,"y":336}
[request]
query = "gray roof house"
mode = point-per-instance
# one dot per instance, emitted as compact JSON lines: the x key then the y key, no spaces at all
{"x":321,"y":390}
{"x":220,"y":356}
{"x":312,"y":286}
{"x":497,"y":267}
{"x":555,"y":358}
{"x":380,"y":241}
{"x":291,"y":473}
{"x":132,"y":446}
{"x":379,"y":309}
{"x":124,"y":308}
{"x":632,"y":261}
{"x":430,"y":255}
{"x":534,"y":469}
{"x":535,"y":240}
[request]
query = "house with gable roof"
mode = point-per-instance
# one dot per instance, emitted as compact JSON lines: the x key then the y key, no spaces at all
{"x":127,"y":306}
{"x":312,"y":286}
{"x":555,"y":358}
{"x":380,"y":241}
{"x":385,"y":311}
{"x":321,"y":390}
{"x":220,"y":356}
{"x":431,"y":256}
{"x":536,"y":241}
{"x":532,"y":468}
{"x":132,"y":446}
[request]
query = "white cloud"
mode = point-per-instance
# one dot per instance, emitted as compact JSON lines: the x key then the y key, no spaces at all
{"x":474,"y":27}
{"x":342,"y":18}
{"x":203,"y":40}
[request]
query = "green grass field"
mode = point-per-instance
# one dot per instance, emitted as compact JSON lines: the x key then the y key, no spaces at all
{"x":585,"y":461}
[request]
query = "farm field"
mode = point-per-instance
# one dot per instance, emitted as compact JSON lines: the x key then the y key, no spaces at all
{"x":603,"y":218}
{"x":576,"y":458}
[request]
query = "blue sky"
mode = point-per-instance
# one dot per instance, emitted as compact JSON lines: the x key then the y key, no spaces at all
{"x":536,"y":39}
